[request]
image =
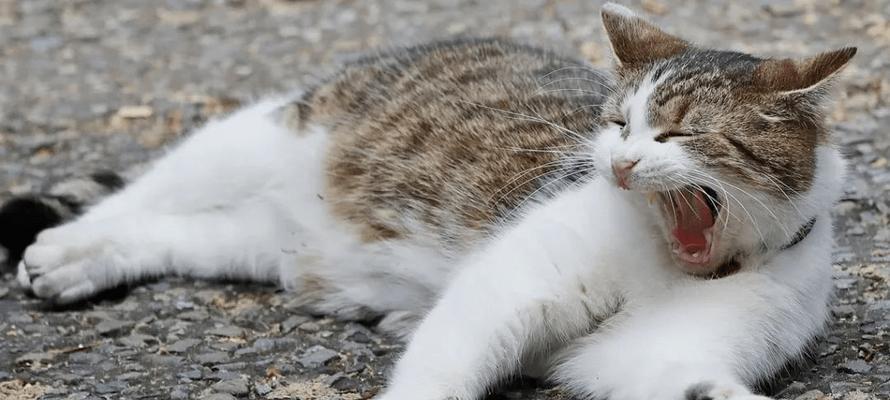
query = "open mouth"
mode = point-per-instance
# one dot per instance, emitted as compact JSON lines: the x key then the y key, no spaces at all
{"x":692,"y":213}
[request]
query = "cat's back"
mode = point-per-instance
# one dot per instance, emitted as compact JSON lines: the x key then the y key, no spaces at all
{"x":449,"y":137}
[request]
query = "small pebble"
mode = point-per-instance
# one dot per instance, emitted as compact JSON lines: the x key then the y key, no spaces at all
{"x":113,"y":327}
{"x":237,"y":387}
{"x":215,"y":357}
{"x":183,"y":345}
{"x":316,"y":356}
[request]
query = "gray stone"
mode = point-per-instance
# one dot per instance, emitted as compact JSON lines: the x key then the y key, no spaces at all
{"x":222,"y":375}
{"x":36,"y":357}
{"x":181,"y":346}
{"x":292,"y":322}
{"x":86,"y":358}
{"x":193,"y":374}
{"x":843,"y":311}
{"x":184,"y":58}
{"x":110,"y":387}
{"x":37,"y":329}
{"x":113,"y":327}
{"x":161,"y":360}
{"x":237,"y":387}
{"x":235,"y":366}
{"x":130,"y":376}
{"x":195,"y":315}
{"x":855,"y":367}
{"x":310,"y":327}
{"x":184,"y":305}
{"x":248,"y":351}
{"x":880,"y":305}
{"x":812,"y":395}
{"x":180,"y":392}
{"x":226,"y":331}
{"x":841,"y":387}
{"x":215,"y":357}
{"x":262,"y":389}
{"x":794,"y":389}
{"x":137,"y":340}
{"x":218,"y":396}
{"x":316,"y":356}
{"x":19,"y":318}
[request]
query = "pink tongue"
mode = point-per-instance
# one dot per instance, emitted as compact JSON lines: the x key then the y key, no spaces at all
{"x":693,"y":217}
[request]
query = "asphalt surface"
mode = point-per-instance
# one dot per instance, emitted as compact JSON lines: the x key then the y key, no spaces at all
{"x":88,"y":85}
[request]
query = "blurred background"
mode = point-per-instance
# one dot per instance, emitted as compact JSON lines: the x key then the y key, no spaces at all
{"x":105,"y":84}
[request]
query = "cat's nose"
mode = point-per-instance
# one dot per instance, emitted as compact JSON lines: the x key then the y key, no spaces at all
{"x":622,"y":170}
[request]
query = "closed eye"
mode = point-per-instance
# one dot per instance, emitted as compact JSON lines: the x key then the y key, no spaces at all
{"x":618,"y":122}
{"x":663,"y":137}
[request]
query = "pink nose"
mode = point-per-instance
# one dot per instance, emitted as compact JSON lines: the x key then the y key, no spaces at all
{"x":622,"y":170}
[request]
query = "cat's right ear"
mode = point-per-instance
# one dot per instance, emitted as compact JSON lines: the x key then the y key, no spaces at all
{"x":636,"y":41}
{"x":804,"y":75}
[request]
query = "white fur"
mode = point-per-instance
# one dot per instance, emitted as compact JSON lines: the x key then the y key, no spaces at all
{"x":572,"y":260}
{"x":568,"y":264}
{"x":581,"y":285}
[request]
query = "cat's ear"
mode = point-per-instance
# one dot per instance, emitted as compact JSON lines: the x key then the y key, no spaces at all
{"x":634,"y":40}
{"x":801,"y":75}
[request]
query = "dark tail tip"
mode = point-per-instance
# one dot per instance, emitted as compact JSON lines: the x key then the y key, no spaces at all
{"x":21,"y":219}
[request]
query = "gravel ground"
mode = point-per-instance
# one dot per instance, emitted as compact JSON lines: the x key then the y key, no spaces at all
{"x":104,"y":84}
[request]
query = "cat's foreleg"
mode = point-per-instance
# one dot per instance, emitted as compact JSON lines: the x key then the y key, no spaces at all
{"x":706,"y":340}
{"x":515,"y":301}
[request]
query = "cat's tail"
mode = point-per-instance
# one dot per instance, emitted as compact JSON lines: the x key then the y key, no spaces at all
{"x":23,"y":217}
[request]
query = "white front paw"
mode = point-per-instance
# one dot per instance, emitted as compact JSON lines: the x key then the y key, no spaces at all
{"x":67,"y":264}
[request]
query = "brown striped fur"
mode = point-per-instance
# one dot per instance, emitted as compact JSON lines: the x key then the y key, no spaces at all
{"x":448,"y":139}
{"x":449,"y":136}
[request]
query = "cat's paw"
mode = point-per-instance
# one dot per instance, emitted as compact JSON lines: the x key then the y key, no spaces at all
{"x":720,"y":391}
{"x":66,"y":264}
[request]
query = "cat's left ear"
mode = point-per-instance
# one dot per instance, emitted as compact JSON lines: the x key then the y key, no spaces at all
{"x":636,"y":41}
{"x":801,"y":75}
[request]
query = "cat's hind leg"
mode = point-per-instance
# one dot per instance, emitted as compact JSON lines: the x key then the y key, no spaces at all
{"x":214,"y":207}
{"x":75,"y":261}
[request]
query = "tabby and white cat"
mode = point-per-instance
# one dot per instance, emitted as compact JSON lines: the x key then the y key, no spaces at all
{"x":661,"y":235}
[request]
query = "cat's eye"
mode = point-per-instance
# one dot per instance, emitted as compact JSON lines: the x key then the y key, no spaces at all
{"x":618,"y":122}
{"x":663,"y":137}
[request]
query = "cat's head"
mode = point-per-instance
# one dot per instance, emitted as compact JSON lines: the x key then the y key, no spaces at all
{"x":731,"y":149}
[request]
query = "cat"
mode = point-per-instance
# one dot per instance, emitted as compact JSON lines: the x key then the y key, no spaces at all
{"x":659,"y":231}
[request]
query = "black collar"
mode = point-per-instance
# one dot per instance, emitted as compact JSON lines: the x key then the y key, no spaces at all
{"x":801,"y":234}
{"x":734,"y":264}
